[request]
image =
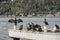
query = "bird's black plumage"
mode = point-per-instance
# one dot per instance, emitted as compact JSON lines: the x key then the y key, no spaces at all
{"x":11,"y":20}
{"x":15,"y":21}
{"x":20,"y":20}
{"x":56,"y":26}
{"x":38,"y":28}
{"x":30,"y":27}
{"x":46,"y":23}
{"x":21,"y":27}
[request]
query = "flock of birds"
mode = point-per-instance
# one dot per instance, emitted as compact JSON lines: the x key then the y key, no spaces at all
{"x":36,"y":27}
{"x":32,"y":26}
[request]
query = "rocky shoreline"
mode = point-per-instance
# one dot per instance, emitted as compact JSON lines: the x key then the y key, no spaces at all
{"x":31,"y":16}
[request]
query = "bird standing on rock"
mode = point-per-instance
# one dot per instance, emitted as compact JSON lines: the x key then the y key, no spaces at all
{"x":29,"y":27}
{"x":21,"y":27}
{"x":56,"y":26}
{"x":46,"y":23}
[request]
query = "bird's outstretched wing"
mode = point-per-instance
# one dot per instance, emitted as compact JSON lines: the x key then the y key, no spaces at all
{"x":11,"y":20}
{"x":20,"y":20}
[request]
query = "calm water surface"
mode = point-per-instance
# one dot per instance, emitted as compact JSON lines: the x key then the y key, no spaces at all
{"x":4,"y":25}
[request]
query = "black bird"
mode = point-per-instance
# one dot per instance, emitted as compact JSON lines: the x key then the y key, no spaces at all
{"x":56,"y":26}
{"x":39,"y":29}
{"x":15,"y":21}
{"x":46,"y":23}
{"x":20,"y":20}
{"x":11,"y":20}
{"x":21,"y":27}
{"x":30,"y":27}
{"x":35,"y":27}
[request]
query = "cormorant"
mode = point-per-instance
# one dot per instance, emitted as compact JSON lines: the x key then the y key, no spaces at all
{"x":30,"y":27}
{"x":37,"y":28}
{"x":56,"y":26}
{"x":11,"y":20}
{"x":20,"y":20}
{"x":46,"y":23}
{"x":15,"y":21}
{"x":21,"y":27}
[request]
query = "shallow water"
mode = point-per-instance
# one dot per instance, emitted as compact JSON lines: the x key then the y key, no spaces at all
{"x":4,"y":25}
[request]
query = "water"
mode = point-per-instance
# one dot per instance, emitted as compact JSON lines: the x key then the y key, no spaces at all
{"x":4,"y":25}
